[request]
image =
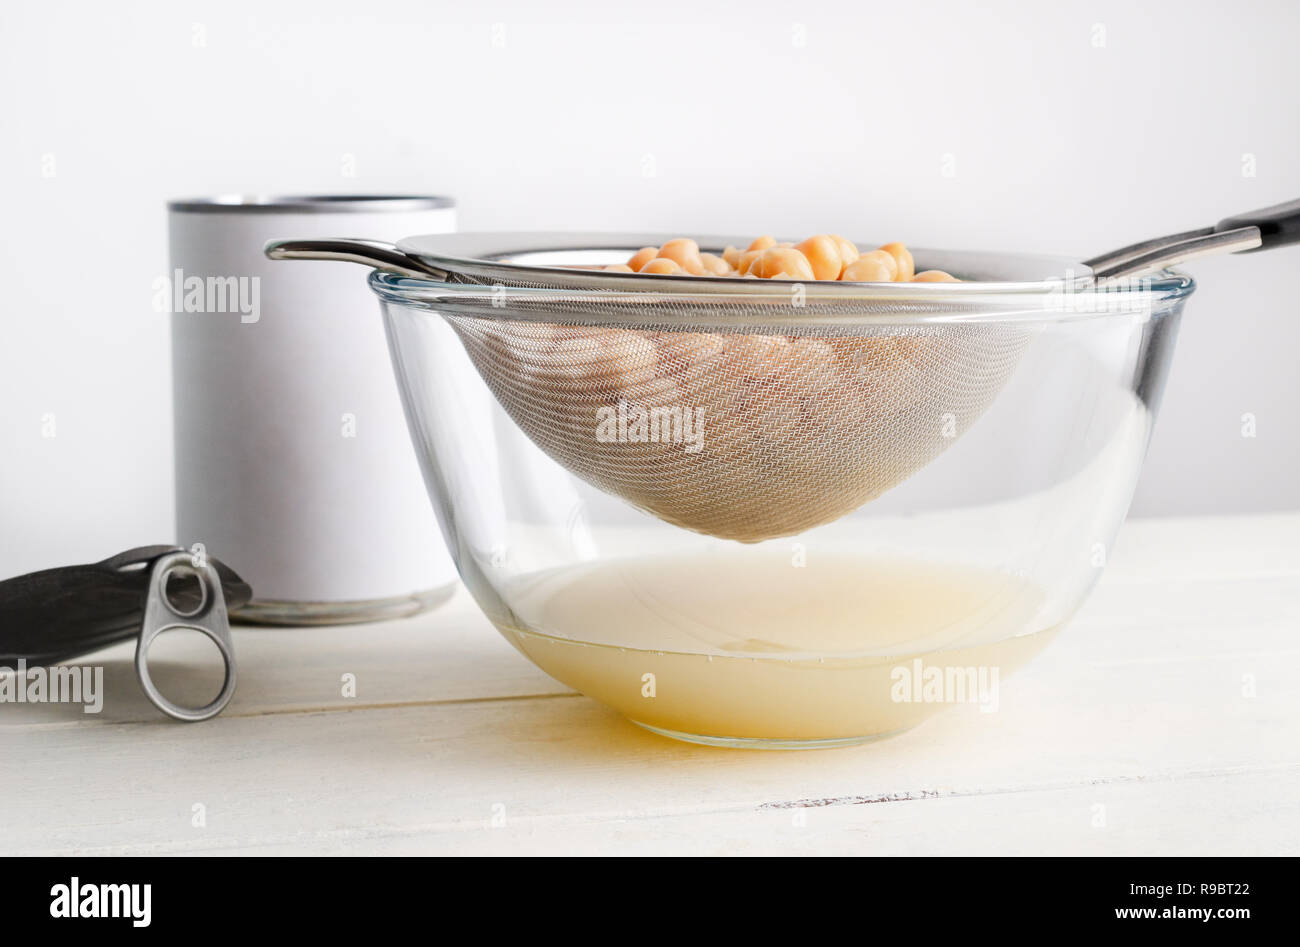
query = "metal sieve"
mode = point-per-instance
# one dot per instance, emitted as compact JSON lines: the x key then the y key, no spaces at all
{"x":752,"y":409}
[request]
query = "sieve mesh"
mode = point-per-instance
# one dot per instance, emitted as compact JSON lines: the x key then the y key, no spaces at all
{"x":738,"y":432}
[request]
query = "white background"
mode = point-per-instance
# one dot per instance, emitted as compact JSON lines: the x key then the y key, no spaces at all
{"x":1070,"y":127}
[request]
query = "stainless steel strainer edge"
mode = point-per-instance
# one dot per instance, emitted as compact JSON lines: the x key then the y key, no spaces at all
{"x":493,"y":259}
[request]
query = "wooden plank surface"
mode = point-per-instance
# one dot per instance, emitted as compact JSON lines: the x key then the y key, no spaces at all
{"x":1164,"y":719}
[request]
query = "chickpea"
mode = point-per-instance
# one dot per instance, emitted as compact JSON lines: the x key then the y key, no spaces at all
{"x":679,"y":351}
{"x":848,"y":252}
{"x":714,"y":265}
{"x":747,"y":260}
{"x":823,"y":255}
{"x":642,"y":257}
{"x":903,"y":257}
{"x":784,"y":263}
{"x":608,"y":360}
{"x":662,"y":266}
{"x":884,"y":259}
{"x":754,"y":354}
{"x":685,"y":252}
{"x":865,"y":269}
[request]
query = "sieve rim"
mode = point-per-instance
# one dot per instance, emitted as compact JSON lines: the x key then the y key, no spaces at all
{"x":491,"y":257}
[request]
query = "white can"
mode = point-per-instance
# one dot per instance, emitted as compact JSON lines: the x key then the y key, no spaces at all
{"x":293,"y":462}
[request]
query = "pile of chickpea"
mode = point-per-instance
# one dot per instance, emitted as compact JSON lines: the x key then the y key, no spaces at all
{"x":826,"y":256}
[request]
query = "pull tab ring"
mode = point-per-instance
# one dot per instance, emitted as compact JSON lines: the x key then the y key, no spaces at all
{"x":208,"y":617}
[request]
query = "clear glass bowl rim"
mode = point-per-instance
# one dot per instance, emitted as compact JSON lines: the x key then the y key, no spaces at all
{"x":1045,"y":302}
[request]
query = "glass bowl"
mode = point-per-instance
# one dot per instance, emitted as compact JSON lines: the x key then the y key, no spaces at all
{"x":847,"y":631}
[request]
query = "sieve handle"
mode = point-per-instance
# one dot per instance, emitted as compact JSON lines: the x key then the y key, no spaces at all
{"x":1279,"y":225}
{"x":376,"y":253}
{"x":1276,"y":226}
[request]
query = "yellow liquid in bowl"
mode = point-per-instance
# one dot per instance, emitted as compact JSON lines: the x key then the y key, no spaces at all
{"x":738,"y":648}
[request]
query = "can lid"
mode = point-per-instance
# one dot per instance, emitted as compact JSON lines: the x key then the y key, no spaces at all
{"x":309,"y":203}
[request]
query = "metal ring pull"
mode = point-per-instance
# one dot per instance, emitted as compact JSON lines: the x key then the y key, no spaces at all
{"x":208,"y":617}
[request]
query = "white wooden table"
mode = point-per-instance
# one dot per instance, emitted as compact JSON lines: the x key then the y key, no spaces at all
{"x":1164,"y":720}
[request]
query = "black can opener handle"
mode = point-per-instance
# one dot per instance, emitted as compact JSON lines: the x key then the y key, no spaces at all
{"x":57,"y":614}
